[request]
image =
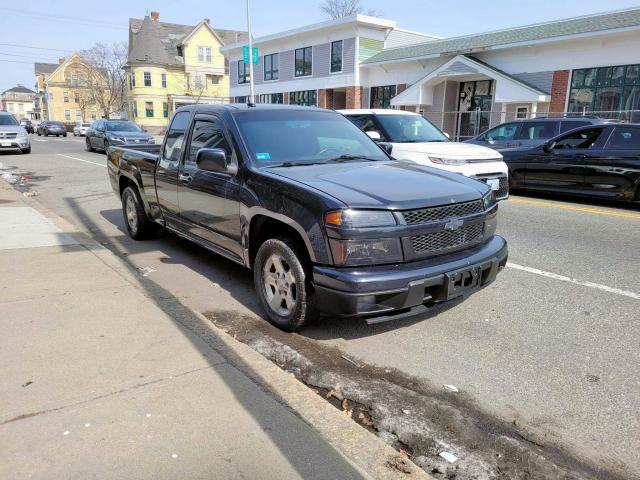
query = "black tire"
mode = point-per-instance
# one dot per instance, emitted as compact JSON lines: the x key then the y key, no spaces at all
{"x":57,"y":136}
{"x":27,"y":150}
{"x":303,"y":310}
{"x":64,"y":135}
{"x":106,"y":146}
{"x":88,"y":146}
{"x":38,"y":132}
{"x":140,"y":227}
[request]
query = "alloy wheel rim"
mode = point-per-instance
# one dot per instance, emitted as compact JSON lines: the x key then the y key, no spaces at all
{"x":279,"y":285}
{"x":132,"y":215}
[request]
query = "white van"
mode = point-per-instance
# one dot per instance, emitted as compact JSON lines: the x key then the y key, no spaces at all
{"x":416,"y":139}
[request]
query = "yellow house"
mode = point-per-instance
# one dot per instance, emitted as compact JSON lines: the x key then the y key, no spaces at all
{"x":61,"y":94}
{"x":170,"y":65}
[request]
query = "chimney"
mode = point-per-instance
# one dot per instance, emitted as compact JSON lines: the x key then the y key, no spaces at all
{"x":207,"y":20}
{"x":155,"y":16}
{"x":61,"y":60}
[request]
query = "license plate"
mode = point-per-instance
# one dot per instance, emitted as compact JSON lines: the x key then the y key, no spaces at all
{"x":5,"y":144}
{"x":494,"y":183}
{"x":461,"y":281}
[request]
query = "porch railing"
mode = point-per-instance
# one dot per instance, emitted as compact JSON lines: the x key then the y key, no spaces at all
{"x":462,"y":125}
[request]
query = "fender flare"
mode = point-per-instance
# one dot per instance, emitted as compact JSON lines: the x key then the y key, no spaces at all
{"x":132,"y":177}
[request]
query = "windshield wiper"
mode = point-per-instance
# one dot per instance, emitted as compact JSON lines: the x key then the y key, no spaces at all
{"x":347,"y":157}
{"x":292,"y":164}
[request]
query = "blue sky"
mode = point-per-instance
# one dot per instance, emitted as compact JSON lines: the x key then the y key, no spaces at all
{"x":57,"y":28}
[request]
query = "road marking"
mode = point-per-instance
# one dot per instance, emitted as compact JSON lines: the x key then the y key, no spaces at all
{"x":81,"y":160}
{"x":38,"y":140}
{"x":597,"y":211}
{"x":575,"y":281}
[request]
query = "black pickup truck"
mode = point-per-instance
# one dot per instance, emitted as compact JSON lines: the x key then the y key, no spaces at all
{"x":330,"y":224}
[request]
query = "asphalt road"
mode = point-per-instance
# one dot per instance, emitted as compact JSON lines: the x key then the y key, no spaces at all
{"x":553,"y":343}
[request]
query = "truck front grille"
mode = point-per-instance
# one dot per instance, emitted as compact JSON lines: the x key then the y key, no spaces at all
{"x":436,"y":242}
{"x":503,"y":189}
{"x":444,"y":212}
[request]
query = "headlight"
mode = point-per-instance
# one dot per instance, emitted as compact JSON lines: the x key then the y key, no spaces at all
{"x":489,"y":200}
{"x":22,"y":135}
{"x":360,"y":218}
{"x":447,"y":161}
{"x":151,"y":140}
{"x":118,"y":139}
{"x":366,"y":252}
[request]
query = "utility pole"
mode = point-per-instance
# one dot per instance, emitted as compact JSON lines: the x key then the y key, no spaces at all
{"x":251,"y":89}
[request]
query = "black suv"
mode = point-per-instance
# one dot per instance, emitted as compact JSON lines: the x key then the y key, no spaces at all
{"x":532,"y":132}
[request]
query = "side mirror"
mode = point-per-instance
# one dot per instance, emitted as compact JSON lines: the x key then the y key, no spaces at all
{"x":373,"y":135}
{"x":548,"y":147}
{"x":212,"y":160}
{"x":387,"y":147}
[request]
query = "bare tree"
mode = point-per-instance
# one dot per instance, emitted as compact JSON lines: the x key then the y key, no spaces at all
{"x":334,"y":9}
{"x":104,"y":76}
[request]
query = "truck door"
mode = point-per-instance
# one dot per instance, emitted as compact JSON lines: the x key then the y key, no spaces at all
{"x":209,"y":201}
{"x":168,"y":166}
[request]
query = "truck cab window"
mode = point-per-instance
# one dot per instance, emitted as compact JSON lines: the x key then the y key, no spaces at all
{"x":206,"y":134}
{"x":175,"y":137}
{"x":583,"y":139}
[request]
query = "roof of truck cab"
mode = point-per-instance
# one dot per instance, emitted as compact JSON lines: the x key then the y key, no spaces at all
{"x":236,"y":107}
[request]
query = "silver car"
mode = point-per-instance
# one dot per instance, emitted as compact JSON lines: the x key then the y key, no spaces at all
{"x":80,"y":130}
{"x":12,"y":135}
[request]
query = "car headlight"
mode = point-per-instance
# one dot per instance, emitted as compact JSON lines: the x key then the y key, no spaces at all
{"x":22,"y":135}
{"x":489,"y":200}
{"x":151,"y":140}
{"x":447,"y":161}
{"x":118,"y":139}
{"x":360,"y":218}
{"x":366,"y":252}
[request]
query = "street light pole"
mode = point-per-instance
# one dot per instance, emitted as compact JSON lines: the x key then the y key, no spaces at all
{"x":251,"y":89}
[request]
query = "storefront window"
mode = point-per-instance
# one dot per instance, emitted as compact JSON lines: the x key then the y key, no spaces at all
{"x":305,"y":97}
{"x":381,"y":96}
{"x":605,"y":90}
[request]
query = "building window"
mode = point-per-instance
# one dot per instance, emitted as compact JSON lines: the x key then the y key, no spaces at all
{"x":94,"y":115}
{"x":242,"y":99}
{"x":304,"y":60}
{"x":74,"y":79}
{"x":607,"y":90}
{"x":134,"y":109}
{"x":65,"y":97}
{"x":78,"y":115}
{"x":164,"y":80}
{"x":243,"y":72}
{"x":270,"y":98}
{"x":207,"y":54}
{"x":132,"y":79}
{"x":198,"y":82}
{"x":522,"y":112}
{"x":271,"y":67}
{"x":147,"y":79}
{"x":381,"y":96}
{"x":201,"y":54}
{"x":148,"y":109}
{"x":214,"y":79}
{"x":165,"y":109}
{"x":76,"y":97}
{"x":336,"y":56}
{"x":67,"y":115}
{"x":305,"y":97}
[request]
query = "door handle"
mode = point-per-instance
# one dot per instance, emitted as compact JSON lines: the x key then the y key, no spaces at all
{"x":184,"y":177}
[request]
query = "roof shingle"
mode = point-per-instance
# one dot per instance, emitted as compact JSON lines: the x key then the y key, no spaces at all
{"x":470,"y":43}
{"x":44,"y":67}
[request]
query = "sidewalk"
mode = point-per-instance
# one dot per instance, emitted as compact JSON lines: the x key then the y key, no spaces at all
{"x":100,"y":379}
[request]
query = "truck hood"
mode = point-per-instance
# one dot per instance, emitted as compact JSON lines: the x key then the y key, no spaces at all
{"x":448,"y":150}
{"x":389,"y":185}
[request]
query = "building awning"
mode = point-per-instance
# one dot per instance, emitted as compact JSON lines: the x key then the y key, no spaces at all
{"x":508,"y":89}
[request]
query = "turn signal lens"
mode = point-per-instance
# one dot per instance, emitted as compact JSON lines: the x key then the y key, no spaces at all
{"x":333,"y":218}
{"x":360,"y":218}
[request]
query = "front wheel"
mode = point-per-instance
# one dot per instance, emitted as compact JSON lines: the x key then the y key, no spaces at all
{"x":88,"y":146}
{"x":106,"y":146}
{"x":27,"y":150}
{"x":138,"y":224}
{"x":64,"y":135}
{"x":283,"y":286}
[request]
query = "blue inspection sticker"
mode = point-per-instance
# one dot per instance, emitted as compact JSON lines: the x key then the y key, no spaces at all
{"x":263,"y":156}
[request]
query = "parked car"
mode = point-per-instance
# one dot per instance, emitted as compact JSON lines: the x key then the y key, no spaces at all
{"x":80,"y":130}
{"x":104,"y":133}
{"x":27,"y":125}
{"x":12,"y":135}
{"x":48,"y":127}
{"x":415,"y":138}
{"x":328,"y":221}
{"x":532,"y":132}
{"x":598,"y":160}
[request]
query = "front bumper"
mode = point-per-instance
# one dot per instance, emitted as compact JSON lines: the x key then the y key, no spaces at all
{"x":379,"y":290}
{"x":14,"y":144}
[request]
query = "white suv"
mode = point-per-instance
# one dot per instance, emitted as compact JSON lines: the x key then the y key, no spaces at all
{"x":12,"y":135}
{"x":416,"y":139}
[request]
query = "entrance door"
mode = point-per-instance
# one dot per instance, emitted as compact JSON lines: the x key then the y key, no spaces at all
{"x":474,"y":106}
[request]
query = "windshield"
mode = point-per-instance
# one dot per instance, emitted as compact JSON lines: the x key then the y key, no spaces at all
{"x":410,"y":129}
{"x":298,"y":137}
{"x":8,"y":120}
{"x":121,"y":127}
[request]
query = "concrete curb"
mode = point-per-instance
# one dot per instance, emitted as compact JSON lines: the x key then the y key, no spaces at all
{"x":363,"y":449}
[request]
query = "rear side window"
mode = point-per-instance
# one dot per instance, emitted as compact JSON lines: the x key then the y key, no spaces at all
{"x":502,"y":132}
{"x":538,"y":130}
{"x":624,"y":138}
{"x":567,"y":125}
{"x":175,"y":137}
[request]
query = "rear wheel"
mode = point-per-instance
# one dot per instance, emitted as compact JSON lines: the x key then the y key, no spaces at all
{"x":283,"y":286}
{"x":138,"y":224}
{"x":64,"y":134}
{"x":106,"y":146}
